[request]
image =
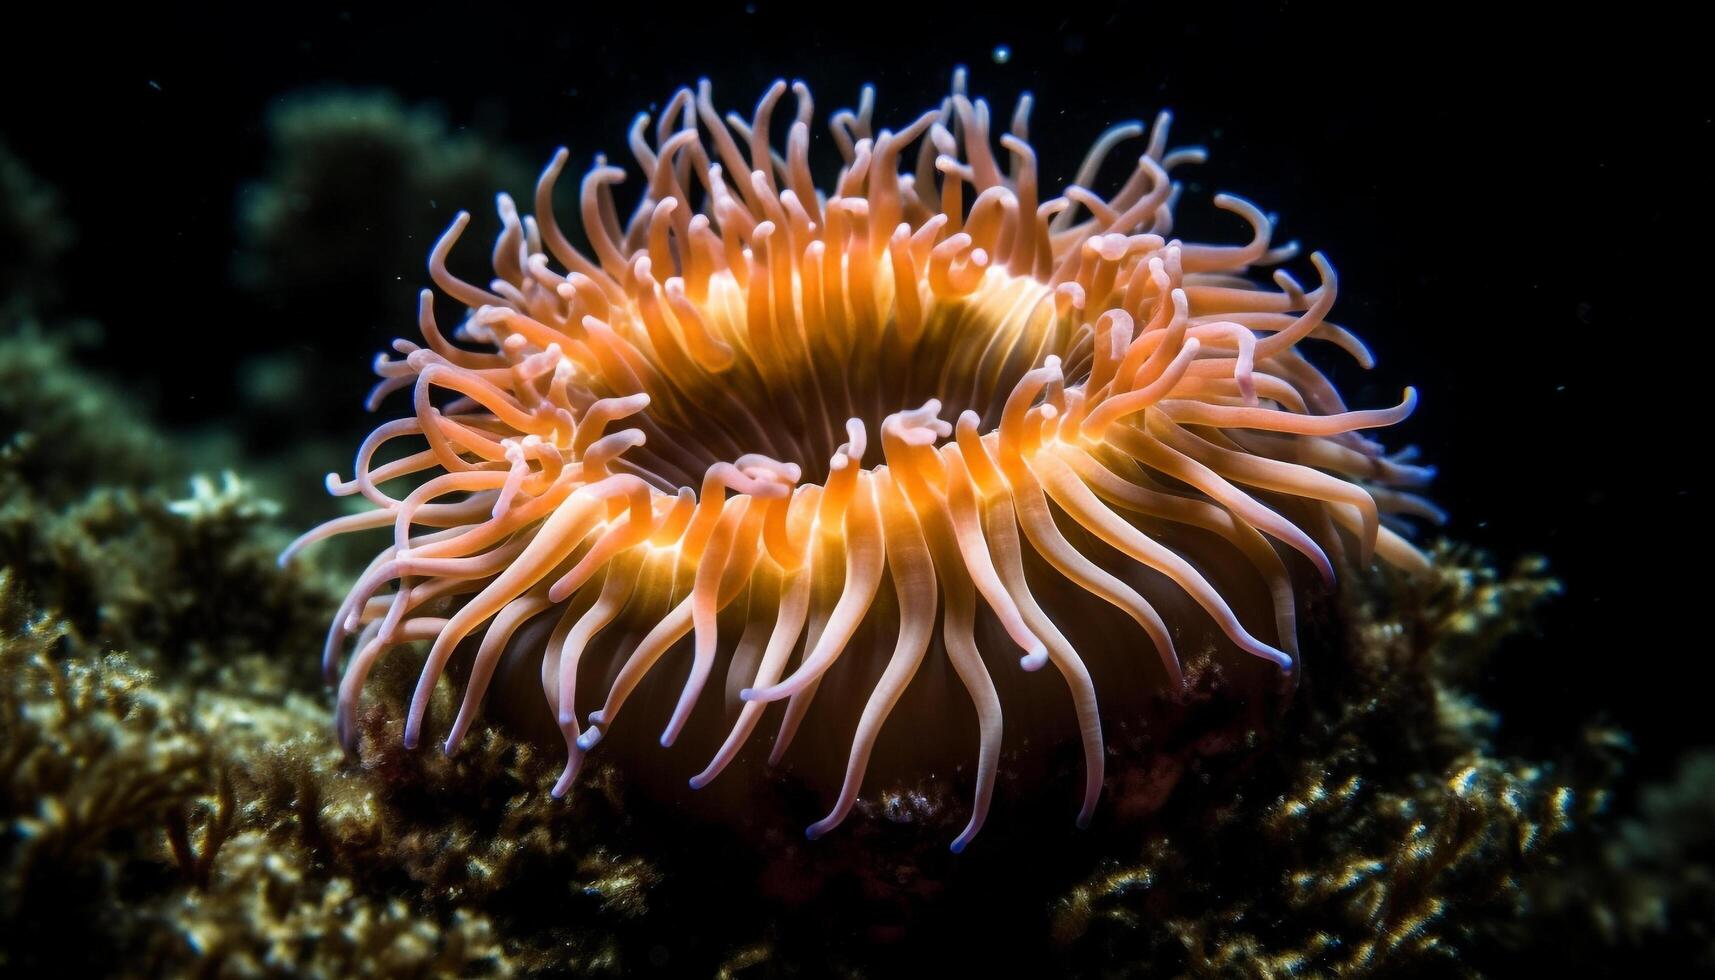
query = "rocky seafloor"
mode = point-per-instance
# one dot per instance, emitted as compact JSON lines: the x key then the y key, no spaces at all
{"x":173,"y":802}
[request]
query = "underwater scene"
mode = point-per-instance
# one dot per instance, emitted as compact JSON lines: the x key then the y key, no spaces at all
{"x":765,"y":491}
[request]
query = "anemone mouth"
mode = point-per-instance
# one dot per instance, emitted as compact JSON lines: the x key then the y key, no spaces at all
{"x":806,"y":403}
{"x":758,"y":406}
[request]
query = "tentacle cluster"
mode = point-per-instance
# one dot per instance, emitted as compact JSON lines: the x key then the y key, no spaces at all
{"x":755,"y":394}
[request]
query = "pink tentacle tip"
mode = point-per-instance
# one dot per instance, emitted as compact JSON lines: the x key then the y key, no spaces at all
{"x":1035,"y":659}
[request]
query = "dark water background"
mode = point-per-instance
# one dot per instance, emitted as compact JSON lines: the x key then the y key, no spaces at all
{"x":1518,"y":209}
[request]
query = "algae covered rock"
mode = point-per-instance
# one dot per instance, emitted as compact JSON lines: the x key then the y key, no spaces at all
{"x":174,"y":798}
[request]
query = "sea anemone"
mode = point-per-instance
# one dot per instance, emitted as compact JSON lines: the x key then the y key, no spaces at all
{"x":787,"y":430}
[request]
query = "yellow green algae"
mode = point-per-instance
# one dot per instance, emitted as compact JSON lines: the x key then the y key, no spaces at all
{"x":34,"y":236}
{"x":356,"y":189}
{"x":1389,"y":837}
{"x":172,"y":800}
{"x":307,"y":226}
